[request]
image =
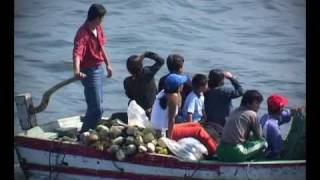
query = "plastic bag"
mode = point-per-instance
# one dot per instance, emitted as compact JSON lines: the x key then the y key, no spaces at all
{"x":137,"y":116}
{"x":187,"y":148}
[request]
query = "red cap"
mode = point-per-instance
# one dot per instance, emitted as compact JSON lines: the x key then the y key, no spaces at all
{"x":276,"y":101}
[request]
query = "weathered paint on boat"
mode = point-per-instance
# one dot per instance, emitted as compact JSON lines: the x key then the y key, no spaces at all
{"x":41,"y":157}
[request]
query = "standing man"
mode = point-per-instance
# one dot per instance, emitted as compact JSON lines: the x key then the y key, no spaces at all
{"x":88,"y":57}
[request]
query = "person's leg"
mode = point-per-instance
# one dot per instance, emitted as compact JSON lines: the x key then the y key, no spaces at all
{"x":194,"y":130}
{"x":214,"y":129}
{"x":253,"y":148}
{"x":93,"y":95}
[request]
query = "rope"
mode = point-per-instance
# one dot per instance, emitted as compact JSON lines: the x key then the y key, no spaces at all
{"x":116,"y":166}
{"x":21,"y":161}
{"x":51,"y":167}
{"x":194,"y":171}
{"x":247,"y":173}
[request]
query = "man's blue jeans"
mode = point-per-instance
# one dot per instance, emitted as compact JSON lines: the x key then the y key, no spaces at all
{"x":93,"y":84}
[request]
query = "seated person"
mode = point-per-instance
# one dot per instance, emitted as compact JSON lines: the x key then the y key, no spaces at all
{"x":270,"y":123}
{"x":193,"y":107}
{"x":165,"y":110}
{"x":175,"y":66}
{"x":141,"y":85}
{"x":236,"y":144}
{"x":218,"y":99}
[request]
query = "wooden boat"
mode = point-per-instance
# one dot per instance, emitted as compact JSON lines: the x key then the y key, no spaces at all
{"x":42,"y":156}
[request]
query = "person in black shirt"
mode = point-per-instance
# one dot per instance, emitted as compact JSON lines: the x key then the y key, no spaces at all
{"x":141,"y":86}
{"x":218,"y":99}
{"x":175,"y":66}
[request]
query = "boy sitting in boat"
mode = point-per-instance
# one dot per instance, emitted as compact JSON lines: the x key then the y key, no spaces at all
{"x":236,"y":144}
{"x":175,"y":66}
{"x":141,"y":85}
{"x":193,"y":107}
{"x":270,"y":123}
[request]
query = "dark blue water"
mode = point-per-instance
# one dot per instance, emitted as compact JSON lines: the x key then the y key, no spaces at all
{"x":262,"y":42}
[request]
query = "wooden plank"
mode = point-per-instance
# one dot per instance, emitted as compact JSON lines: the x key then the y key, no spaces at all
{"x":24,"y":104}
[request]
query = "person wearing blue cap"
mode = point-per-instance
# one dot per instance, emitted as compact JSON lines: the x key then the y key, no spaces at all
{"x":165,"y":110}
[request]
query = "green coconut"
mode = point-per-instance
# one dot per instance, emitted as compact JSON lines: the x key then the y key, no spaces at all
{"x":102,"y":130}
{"x":116,"y":131}
{"x":142,"y":149}
{"x":151,"y":147}
{"x":149,"y":130}
{"x":138,"y":140}
{"x":132,"y":131}
{"x":119,"y":140}
{"x":113,"y":148}
{"x":97,"y":145}
{"x":131,"y":149}
{"x":148,"y":137}
{"x":130,"y":140}
{"x":161,"y":142}
{"x":120,"y":155}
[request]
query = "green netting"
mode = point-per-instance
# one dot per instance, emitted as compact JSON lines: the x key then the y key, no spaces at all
{"x":294,"y":145}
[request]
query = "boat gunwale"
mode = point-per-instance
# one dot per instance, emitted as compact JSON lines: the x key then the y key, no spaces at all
{"x":24,"y":140}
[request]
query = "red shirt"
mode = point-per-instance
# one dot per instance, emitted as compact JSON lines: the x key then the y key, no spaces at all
{"x":88,"y":47}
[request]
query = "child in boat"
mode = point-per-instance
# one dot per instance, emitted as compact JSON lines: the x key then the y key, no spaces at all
{"x":165,"y":110}
{"x":236,"y":144}
{"x":270,"y":123}
{"x":175,"y":66}
{"x":141,"y":85}
{"x":218,"y":99}
{"x":193,"y":107}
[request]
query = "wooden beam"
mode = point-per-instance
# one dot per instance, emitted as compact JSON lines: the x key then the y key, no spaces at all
{"x":24,"y":104}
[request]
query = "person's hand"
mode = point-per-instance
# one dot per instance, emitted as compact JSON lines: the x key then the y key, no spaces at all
{"x":227,"y":75}
{"x":109,"y":71}
{"x":296,"y":109}
{"x":79,"y":75}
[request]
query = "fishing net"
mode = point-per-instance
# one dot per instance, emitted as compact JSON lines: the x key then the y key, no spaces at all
{"x":294,"y":145}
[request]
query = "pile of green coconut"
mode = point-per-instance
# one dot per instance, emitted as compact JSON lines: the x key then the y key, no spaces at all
{"x":122,"y":140}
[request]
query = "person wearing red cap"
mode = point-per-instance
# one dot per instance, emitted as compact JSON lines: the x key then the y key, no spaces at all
{"x":270,"y":123}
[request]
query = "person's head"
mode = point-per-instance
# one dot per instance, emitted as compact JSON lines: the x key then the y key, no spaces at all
{"x":174,"y":82}
{"x":252,"y":100}
{"x":199,"y":82}
{"x":134,"y":65}
{"x":96,"y":13}
{"x":175,"y":63}
{"x":216,"y":78}
{"x":276,"y":104}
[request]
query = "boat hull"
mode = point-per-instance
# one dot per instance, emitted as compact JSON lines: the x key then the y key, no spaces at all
{"x":63,"y":160}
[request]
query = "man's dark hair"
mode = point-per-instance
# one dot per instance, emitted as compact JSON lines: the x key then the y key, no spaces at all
{"x":249,"y":96}
{"x":174,"y":62}
{"x":134,"y":65}
{"x":163,"y":100}
{"x":96,"y":10}
{"x":216,"y":78}
{"x":199,"y":80}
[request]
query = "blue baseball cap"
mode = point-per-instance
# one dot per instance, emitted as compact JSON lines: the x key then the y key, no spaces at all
{"x":173,"y":81}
